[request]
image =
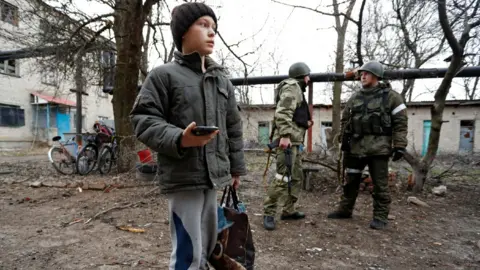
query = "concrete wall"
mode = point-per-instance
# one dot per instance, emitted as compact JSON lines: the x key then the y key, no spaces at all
{"x":16,"y":89}
{"x":449,"y":136}
{"x":450,"y":132}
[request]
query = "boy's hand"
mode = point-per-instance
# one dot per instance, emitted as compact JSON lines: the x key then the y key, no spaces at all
{"x":235,"y":182}
{"x":190,"y":140}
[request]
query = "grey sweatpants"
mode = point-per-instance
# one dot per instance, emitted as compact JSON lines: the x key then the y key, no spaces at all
{"x":193,"y":228}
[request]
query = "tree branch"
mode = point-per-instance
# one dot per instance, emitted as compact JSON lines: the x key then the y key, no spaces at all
{"x":149,"y":4}
{"x":234,"y":54}
{"x":452,"y":41}
{"x":79,"y":28}
{"x":406,"y":35}
{"x":359,"y":34}
{"x":318,"y":11}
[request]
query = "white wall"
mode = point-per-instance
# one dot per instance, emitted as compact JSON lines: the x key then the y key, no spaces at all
{"x":15,"y":90}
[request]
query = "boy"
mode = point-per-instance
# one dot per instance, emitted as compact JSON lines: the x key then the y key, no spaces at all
{"x":175,"y":98}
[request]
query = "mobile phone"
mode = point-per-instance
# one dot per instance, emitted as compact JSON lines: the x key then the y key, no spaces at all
{"x":203,"y":130}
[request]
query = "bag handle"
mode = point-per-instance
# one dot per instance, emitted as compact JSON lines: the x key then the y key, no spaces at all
{"x":234,"y":197}
{"x":230,"y":191}
{"x":223,"y":196}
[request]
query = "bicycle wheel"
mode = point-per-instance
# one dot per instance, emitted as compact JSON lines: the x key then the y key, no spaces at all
{"x":105,"y":159}
{"x":64,"y":165}
{"x":87,"y":159}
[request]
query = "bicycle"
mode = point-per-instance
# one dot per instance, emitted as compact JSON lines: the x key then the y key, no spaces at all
{"x":67,"y":158}
{"x":88,"y":155}
{"x":108,"y":153}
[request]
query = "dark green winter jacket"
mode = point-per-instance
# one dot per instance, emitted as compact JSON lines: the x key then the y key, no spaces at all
{"x":172,"y":96}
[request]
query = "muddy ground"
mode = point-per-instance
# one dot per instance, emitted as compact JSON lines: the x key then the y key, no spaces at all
{"x":44,"y":227}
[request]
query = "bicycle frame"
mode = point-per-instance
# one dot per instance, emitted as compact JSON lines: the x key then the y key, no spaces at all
{"x":62,"y":146}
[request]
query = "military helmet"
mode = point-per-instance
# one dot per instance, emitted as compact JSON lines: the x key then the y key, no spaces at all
{"x":373,"y":67}
{"x":298,"y":69}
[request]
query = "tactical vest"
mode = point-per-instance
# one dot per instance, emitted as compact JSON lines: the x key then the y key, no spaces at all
{"x":370,"y":115}
{"x":301,"y":115}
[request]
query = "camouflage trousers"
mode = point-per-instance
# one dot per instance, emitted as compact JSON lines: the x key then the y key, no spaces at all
{"x":278,"y":189}
{"x":378,"y":168}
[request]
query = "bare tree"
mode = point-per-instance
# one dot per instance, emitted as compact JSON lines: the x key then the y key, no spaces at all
{"x":420,"y":27}
{"x":402,"y":35}
{"x":468,"y":18}
{"x":51,"y":36}
{"x":234,"y":57}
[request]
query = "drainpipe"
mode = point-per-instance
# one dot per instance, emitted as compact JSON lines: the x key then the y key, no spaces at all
{"x":48,"y":122}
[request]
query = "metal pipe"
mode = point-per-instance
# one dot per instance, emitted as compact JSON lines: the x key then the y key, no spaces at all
{"x":34,"y":52}
{"x":423,"y":73}
{"x":310,"y":108}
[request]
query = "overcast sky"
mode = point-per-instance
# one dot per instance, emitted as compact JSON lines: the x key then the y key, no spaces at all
{"x":292,"y":34}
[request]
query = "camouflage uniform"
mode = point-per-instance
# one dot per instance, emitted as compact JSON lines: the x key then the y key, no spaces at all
{"x":375,"y":119}
{"x":290,"y":98}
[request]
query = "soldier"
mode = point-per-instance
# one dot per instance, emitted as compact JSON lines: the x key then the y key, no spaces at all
{"x":292,"y":119}
{"x":374,"y":125}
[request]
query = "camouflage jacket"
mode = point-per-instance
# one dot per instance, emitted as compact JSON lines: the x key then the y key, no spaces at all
{"x":376,"y":120}
{"x":290,"y":97}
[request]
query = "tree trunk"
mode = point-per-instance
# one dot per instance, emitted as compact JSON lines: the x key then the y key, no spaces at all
{"x":144,"y":63}
{"x":407,"y":90}
{"x":421,"y":167}
{"x":79,"y":85}
{"x":337,"y":92}
{"x":128,"y":26}
{"x":341,"y":28}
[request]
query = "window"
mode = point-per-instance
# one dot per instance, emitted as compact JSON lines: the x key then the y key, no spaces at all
{"x":11,"y":116}
{"x":9,"y":67}
{"x":75,"y":121}
{"x":108,"y":65}
{"x":326,"y":124}
{"x":8,"y":13}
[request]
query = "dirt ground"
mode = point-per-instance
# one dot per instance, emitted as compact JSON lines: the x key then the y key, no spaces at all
{"x":38,"y":228}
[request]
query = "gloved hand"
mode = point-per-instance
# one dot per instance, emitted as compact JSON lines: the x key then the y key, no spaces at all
{"x":397,"y":153}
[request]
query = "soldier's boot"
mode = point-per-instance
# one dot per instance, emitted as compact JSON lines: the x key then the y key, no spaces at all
{"x":293,"y":216}
{"x":378,"y":224}
{"x":350,"y":193}
{"x":269,"y":223}
{"x":339,"y":215}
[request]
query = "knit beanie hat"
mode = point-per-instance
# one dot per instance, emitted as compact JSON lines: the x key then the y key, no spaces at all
{"x":184,"y":15}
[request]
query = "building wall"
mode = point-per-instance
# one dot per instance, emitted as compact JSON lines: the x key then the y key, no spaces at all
{"x":450,"y":132}
{"x":449,"y":136}
{"x":16,"y":89}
